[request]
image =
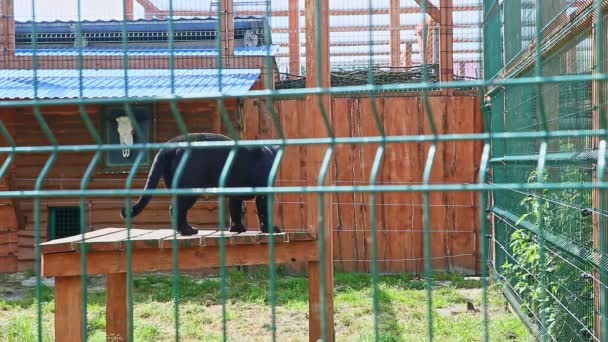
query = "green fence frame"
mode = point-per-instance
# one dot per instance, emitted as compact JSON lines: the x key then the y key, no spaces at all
{"x":498,"y":142}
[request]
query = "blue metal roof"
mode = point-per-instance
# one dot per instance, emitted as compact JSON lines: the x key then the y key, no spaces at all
{"x":140,"y":25}
{"x":238,"y":51}
{"x":62,"y":84}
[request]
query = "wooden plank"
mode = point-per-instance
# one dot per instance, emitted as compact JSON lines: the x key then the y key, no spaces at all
{"x":359,"y":174}
{"x":68,"y":308}
{"x":431,"y":10}
{"x":257,"y":238}
{"x":115,"y":241}
{"x":302,"y":236}
{"x":396,"y":170}
{"x":345,"y":247}
{"x":246,"y":238}
{"x":214,"y":238}
{"x":66,"y":244}
{"x":116,"y":307}
{"x":154,"y":239}
{"x":188,"y":241}
{"x":282,"y":13}
{"x":161,"y":259}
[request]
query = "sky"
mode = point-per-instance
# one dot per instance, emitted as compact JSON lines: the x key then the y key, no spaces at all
{"x":50,"y":10}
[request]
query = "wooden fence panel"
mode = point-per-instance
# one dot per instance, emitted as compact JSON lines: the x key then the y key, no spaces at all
{"x":454,"y":216}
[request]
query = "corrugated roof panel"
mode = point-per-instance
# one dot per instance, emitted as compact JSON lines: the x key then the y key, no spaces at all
{"x":139,"y":25}
{"x":62,"y":84}
{"x":239,"y":51}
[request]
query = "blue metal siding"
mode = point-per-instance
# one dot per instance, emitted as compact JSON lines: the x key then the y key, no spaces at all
{"x":141,"y":25}
{"x":239,"y":51}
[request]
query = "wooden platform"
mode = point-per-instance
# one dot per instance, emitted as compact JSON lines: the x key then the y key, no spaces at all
{"x":152,"y":250}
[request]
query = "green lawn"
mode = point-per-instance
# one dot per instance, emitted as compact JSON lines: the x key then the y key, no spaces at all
{"x":402,"y":315}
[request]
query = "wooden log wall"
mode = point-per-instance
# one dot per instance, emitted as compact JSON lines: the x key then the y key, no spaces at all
{"x":454,"y":215}
{"x":69,"y":129}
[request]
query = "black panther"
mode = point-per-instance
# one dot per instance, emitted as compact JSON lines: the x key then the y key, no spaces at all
{"x":250,"y":168}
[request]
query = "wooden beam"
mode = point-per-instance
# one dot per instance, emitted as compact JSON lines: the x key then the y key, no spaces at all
{"x":117,"y":317}
{"x":68,"y":309}
{"x":294,"y":37}
{"x":560,"y":32}
{"x":227,"y":10}
{"x":154,"y":259}
{"x":150,"y":10}
{"x":335,"y":12}
{"x":319,"y":69}
{"x":395,"y":32}
{"x":446,"y":42}
{"x":431,"y":10}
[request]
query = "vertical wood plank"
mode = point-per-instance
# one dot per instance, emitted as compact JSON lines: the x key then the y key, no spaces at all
{"x":68,"y":309}
{"x":116,"y":307}
{"x":345,"y":247}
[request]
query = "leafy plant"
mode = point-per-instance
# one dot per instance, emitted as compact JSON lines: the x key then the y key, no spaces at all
{"x":561,"y":286}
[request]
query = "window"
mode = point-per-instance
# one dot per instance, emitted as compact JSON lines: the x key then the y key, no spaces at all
{"x":119,"y":130}
{"x":63,"y":222}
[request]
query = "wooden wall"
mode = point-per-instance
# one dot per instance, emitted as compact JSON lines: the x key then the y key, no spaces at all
{"x":69,"y":129}
{"x":454,"y":216}
{"x":455,"y":228}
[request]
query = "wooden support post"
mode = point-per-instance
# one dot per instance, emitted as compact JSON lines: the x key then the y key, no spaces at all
{"x":407,"y":54}
{"x":150,"y":9}
{"x":598,"y":93}
{"x":68,"y":309}
{"x":116,"y":307}
{"x":294,"y":37}
{"x":227,"y":10}
{"x":395,"y":11}
{"x":446,"y":42}
{"x":431,"y":10}
{"x":129,"y":10}
{"x":7,"y":31}
{"x":316,"y":68}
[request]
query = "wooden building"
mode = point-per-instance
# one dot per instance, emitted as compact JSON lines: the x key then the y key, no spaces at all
{"x":103,"y":70}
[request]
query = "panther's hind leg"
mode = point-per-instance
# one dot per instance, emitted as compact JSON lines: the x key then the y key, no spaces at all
{"x":262,"y":206}
{"x":183,"y":204}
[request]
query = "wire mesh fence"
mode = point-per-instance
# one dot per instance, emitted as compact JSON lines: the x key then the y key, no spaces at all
{"x":383,"y":137}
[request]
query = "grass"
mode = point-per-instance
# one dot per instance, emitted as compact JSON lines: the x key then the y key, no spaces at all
{"x":402,"y":312}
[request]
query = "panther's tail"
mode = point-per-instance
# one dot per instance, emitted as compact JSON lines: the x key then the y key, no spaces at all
{"x":157,"y":169}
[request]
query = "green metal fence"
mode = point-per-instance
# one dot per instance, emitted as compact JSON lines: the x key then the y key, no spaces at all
{"x":545,"y":153}
{"x":547,"y":251}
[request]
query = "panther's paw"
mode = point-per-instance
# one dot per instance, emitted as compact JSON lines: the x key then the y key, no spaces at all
{"x":187,"y":231}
